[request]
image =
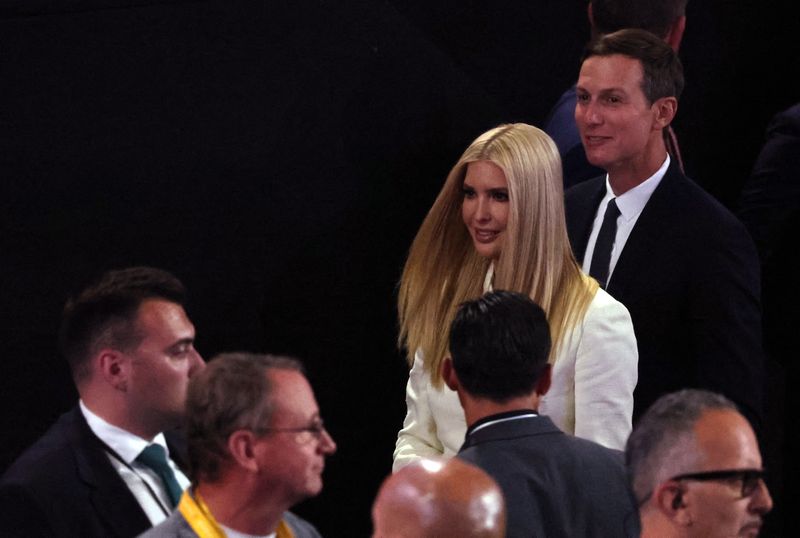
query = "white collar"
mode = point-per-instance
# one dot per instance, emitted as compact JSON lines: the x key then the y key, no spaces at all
{"x":124,"y":443}
{"x":487,"y":280}
{"x":632,"y":202}
{"x":232,"y":533}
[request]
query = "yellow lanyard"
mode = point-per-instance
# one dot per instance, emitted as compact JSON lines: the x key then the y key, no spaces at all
{"x":202,"y":522}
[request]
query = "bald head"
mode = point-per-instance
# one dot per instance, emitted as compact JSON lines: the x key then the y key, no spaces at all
{"x":437,"y":498}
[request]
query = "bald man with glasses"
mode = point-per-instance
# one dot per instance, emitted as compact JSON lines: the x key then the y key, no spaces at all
{"x":696,"y":469}
{"x":257,"y":446}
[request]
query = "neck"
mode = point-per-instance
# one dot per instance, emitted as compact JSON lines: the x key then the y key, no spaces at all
{"x":116,"y":413}
{"x":632,"y":173}
{"x":237,"y":504}
{"x":476,"y":409}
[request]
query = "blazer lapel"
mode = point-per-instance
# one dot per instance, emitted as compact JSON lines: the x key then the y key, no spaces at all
{"x":581,"y":208}
{"x":647,"y":235}
{"x":111,"y":499}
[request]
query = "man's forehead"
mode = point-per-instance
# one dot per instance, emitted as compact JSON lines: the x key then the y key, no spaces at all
{"x":610,"y":71}
{"x":727,"y":439}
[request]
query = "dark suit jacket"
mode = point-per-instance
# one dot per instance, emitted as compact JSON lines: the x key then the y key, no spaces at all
{"x":689,"y":276}
{"x":64,"y":485}
{"x":554,"y":484}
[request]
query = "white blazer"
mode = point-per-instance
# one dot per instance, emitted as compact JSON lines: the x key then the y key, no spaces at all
{"x":591,"y":395}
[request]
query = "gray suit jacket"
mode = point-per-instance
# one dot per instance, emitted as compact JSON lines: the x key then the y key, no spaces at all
{"x":554,"y":484}
{"x":176,"y":527}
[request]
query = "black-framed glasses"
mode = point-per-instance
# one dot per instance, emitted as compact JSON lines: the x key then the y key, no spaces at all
{"x":314,"y":431}
{"x":750,"y":478}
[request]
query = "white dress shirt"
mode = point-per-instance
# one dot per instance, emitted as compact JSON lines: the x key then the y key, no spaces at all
{"x":630,"y":204}
{"x":135,"y":475}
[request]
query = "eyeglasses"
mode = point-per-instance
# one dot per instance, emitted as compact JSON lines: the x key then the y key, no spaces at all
{"x":750,"y":478}
{"x":305,"y":434}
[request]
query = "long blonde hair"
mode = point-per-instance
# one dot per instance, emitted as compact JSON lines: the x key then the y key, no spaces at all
{"x":443,"y":269}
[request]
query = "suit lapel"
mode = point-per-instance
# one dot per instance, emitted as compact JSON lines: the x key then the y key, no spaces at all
{"x":647,"y":235}
{"x":581,"y":206}
{"x":111,"y":499}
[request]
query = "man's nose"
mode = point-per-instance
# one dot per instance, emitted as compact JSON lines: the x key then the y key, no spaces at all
{"x":761,"y":500}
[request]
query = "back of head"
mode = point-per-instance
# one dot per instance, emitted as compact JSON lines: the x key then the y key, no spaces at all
{"x":661,"y":67}
{"x":663,"y":444}
{"x":499,"y":345}
{"x":655,"y":16}
{"x":232,"y":393}
{"x":104,"y":314}
{"x":439,"y":499}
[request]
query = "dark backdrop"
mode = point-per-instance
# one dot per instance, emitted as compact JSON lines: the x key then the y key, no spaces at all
{"x":279,"y":156}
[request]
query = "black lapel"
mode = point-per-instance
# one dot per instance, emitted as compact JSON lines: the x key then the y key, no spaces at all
{"x":648,"y":235}
{"x":112,"y":501}
{"x":581,"y":208}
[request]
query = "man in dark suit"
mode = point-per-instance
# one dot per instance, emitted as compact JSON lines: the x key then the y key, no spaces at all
{"x":681,"y":263}
{"x":104,"y":468}
{"x":554,"y":484}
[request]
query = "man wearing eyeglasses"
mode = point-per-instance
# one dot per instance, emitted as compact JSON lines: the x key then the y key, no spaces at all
{"x":256,"y":446}
{"x":696,"y":469}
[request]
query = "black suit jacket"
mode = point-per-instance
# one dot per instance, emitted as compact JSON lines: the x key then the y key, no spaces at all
{"x":555,"y":485}
{"x":689,"y":276}
{"x":64,"y":485}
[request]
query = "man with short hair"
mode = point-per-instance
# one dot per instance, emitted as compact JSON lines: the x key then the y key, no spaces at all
{"x":437,"y":498}
{"x":106,"y":468}
{"x":257,"y":446}
{"x":664,"y":18}
{"x":696,"y":469}
{"x":681,"y":263}
{"x":554,"y":484}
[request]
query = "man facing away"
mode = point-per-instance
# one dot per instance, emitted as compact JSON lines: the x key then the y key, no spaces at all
{"x":681,"y":263}
{"x":554,"y":484}
{"x":257,"y":446}
{"x":438,"y":498}
{"x":664,"y":18}
{"x":105,"y":469}
{"x":696,"y":469}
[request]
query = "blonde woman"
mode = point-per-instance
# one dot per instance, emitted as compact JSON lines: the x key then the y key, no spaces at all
{"x":498,"y":223}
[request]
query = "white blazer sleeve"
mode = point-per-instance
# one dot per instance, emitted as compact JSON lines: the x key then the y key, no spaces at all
{"x":606,"y":371}
{"x":418,"y":438}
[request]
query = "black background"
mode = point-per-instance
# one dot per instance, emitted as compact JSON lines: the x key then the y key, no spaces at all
{"x":279,"y":156}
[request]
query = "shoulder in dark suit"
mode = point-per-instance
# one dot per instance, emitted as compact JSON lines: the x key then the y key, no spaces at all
{"x":689,"y":276}
{"x":64,"y":485}
{"x":555,"y":485}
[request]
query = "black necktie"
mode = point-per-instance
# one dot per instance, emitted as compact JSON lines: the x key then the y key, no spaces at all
{"x":601,"y":258}
{"x":155,"y":457}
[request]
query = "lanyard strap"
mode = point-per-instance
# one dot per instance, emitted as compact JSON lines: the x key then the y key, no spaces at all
{"x":202,"y":521}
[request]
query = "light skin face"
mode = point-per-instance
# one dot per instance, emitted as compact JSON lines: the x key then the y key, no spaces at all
{"x":294,"y":459}
{"x":715,"y":508}
{"x":160,"y":366}
{"x":620,"y":130}
{"x":485,"y":207}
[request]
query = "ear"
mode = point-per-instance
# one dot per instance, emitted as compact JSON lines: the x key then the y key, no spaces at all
{"x":675,"y":33}
{"x":665,"y":110}
{"x":241,"y":446}
{"x":670,"y":499}
{"x":545,"y":380}
{"x":114,"y":367}
{"x":449,"y":374}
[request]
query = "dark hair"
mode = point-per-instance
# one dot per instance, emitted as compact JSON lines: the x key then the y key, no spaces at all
{"x":499,"y":344}
{"x":662,"y":70}
{"x":655,"y":16}
{"x":231,"y":393}
{"x":662,"y":435}
{"x":104,"y":313}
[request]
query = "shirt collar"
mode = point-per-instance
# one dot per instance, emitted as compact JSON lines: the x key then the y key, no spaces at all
{"x":500,"y":417}
{"x":632,"y":202}
{"x":124,"y":443}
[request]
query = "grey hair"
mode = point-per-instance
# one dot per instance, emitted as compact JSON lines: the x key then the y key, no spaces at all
{"x":663,"y":442}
